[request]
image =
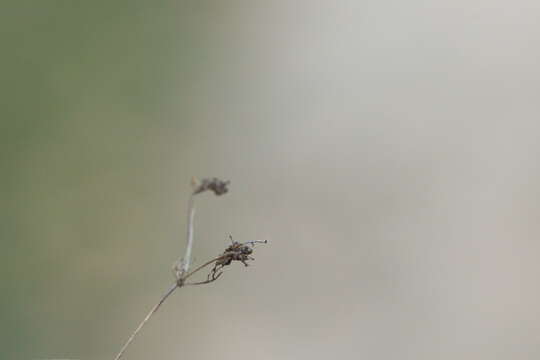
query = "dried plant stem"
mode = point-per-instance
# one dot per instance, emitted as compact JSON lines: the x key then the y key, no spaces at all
{"x":202,"y":266}
{"x":182,"y":274}
{"x":181,"y":268}
{"x":191,"y":215}
{"x":180,"y":283}
{"x":141,"y":325}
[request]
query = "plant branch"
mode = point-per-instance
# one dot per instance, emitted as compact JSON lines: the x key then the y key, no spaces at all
{"x":191,"y":215}
{"x":202,"y":267}
{"x":218,"y":187}
{"x":141,"y":325}
{"x":235,"y":252}
{"x":180,"y":283}
{"x":206,"y":281}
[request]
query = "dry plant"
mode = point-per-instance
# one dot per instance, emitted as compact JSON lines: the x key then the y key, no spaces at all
{"x":235,"y":252}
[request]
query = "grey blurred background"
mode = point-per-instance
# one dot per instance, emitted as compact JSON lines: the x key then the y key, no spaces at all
{"x":389,"y":150}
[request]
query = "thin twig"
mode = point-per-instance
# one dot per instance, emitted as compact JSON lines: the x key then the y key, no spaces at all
{"x":181,"y":268}
{"x":205,"y":281}
{"x":218,"y":187}
{"x":154,"y":309}
{"x":191,"y":215}
{"x":180,"y":283}
{"x":202,"y":266}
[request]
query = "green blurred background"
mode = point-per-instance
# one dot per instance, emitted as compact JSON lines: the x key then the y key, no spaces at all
{"x":388,"y":150}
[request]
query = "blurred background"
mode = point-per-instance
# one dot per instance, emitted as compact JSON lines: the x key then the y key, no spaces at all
{"x":388,"y":150}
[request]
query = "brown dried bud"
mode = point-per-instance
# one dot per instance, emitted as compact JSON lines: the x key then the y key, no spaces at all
{"x":219,"y":187}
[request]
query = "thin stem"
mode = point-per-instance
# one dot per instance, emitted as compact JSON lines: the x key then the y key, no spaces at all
{"x":181,"y":268}
{"x":206,"y":281}
{"x":202,"y":266}
{"x":191,"y":215}
{"x":175,"y":286}
{"x":152,"y":311}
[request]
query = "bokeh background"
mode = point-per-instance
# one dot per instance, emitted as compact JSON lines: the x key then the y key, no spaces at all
{"x":389,"y":150}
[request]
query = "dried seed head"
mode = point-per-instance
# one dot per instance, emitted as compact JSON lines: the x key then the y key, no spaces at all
{"x":219,"y":187}
{"x":235,"y":252}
